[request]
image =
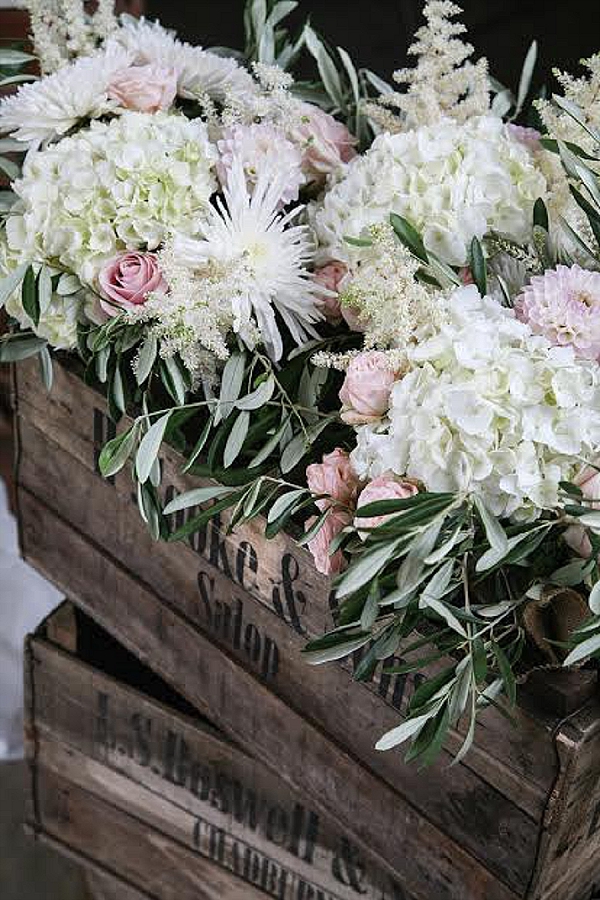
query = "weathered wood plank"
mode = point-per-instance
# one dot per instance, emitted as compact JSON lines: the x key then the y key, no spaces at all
{"x":103,"y":886}
{"x":426,"y":860}
{"x":280,"y":575}
{"x":570,"y":841}
{"x":100,"y":833}
{"x":506,"y":837}
{"x":192,"y":780}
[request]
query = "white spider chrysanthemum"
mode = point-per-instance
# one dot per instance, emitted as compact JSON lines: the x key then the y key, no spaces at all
{"x":452,"y":182}
{"x":200,"y":73}
{"x":248,"y":263}
{"x":50,"y":107}
{"x":490,"y":408}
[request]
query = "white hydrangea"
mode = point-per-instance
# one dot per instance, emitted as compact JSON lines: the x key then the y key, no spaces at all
{"x":451,"y":181}
{"x":122,"y":185}
{"x":490,"y":408}
{"x":58,"y":323}
{"x":50,"y":107}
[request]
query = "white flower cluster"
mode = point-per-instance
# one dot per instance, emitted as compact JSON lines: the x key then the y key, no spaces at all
{"x":584,"y":94}
{"x":451,"y":181}
{"x":122,"y":185}
{"x":200,"y":73}
{"x":62,"y":29}
{"x":382,"y":293}
{"x":58,"y":321}
{"x":48,"y":108}
{"x":248,"y":263}
{"x":488,"y":408}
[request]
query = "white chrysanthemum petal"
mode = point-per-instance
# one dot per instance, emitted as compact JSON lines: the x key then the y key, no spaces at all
{"x":248,"y":263}
{"x":199,"y":72}
{"x":509,"y":419}
{"x":50,"y":107}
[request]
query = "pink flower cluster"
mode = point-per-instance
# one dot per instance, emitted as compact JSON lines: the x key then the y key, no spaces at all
{"x":336,"y":478}
{"x":365,"y":394}
{"x":331,"y":277}
{"x":326,"y":143}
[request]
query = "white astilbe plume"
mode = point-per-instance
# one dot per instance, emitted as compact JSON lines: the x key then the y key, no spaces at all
{"x":584,"y":93}
{"x":248,"y":263}
{"x":444,"y":83}
{"x":105,"y":21}
{"x":50,"y":107}
{"x":47,"y":34}
{"x":62,"y":30}
{"x":383,"y":293}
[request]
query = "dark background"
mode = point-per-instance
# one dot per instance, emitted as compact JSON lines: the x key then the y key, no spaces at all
{"x":377,"y":33}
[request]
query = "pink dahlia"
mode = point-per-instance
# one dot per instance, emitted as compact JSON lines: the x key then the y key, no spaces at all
{"x":563,"y":304}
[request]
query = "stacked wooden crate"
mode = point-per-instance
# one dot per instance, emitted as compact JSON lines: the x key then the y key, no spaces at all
{"x":223,"y":620}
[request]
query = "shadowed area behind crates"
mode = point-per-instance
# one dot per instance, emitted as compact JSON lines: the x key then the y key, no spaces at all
{"x":28,"y":870}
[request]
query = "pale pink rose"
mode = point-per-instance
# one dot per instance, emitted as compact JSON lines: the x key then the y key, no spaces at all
{"x":365,"y":392}
{"x":144,"y":88}
{"x":466,"y":276}
{"x":127,"y":279}
{"x":319,"y":546}
{"x":334,"y":477}
{"x":330,"y":277}
{"x":386,"y":487}
{"x":589,"y":482}
{"x":326,"y":143}
{"x":529,"y":137}
{"x":576,"y":538}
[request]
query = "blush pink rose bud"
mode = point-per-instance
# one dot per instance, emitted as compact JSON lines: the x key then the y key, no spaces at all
{"x":144,"y":88}
{"x":330,"y":277}
{"x":334,"y":477}
{"x":319,"y":546}
{"x":127,"y":279}
{"x":386,"y":487}
{"x":529,"y":137}
{"x":466,"y":276}
{"x":365,"y":393}
{"x":327,"y":144}
{"x":576,"y":536}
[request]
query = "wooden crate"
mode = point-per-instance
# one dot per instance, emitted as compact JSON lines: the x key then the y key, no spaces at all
{"x":112,"y":764}
{"x":515,"y":819}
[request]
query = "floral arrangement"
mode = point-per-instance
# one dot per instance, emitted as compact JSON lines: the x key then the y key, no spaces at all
{"x":369,"y":309}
